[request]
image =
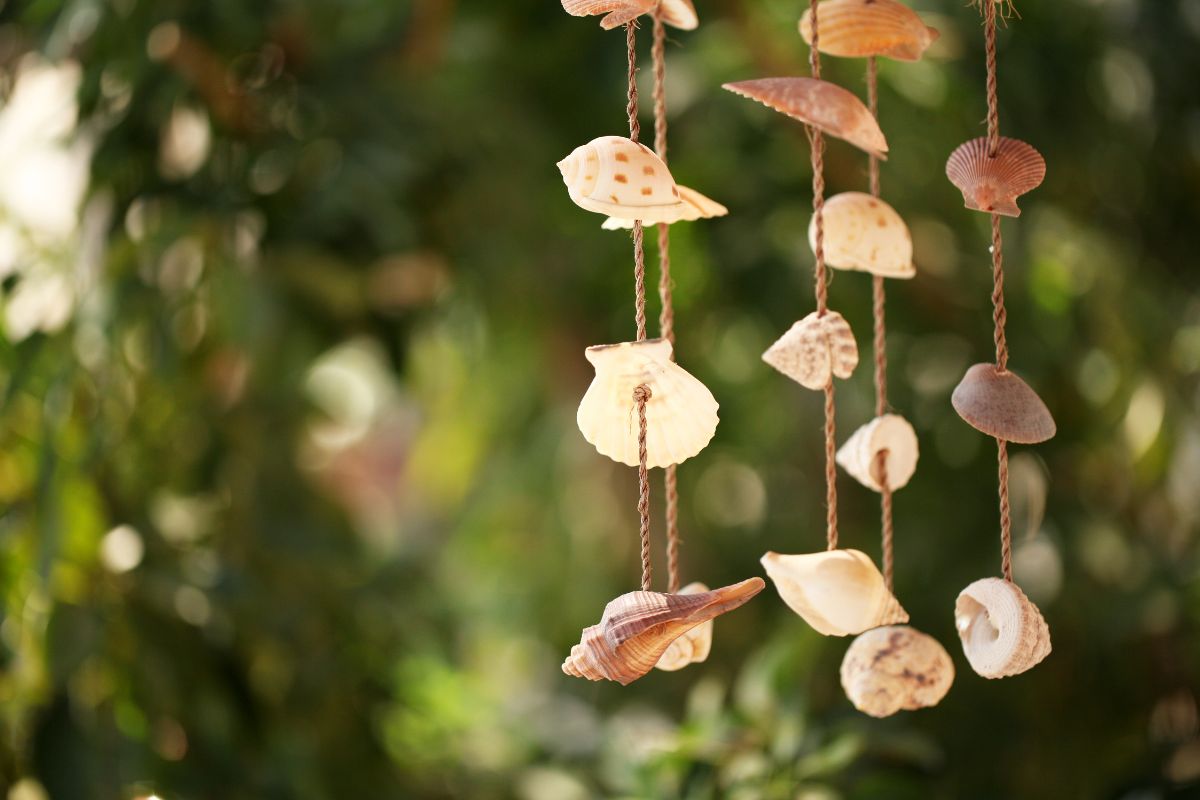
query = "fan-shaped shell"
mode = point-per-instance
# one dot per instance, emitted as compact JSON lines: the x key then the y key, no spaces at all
{"x":861,"y":28}
{"x":681,"y":414}
{"x":895,"y":668}
{"x":993,"y":183}
{"x":819,"y":103}
{"x":837,"y":592}
{"x":693,"y":646}
{"x":694,"y":206}
{"x":891,"y":433}
{"x":676,"y":13}
{"x":864,"y":233}
{"x":621,"y":178}
{"x":1002,"y":631}
{"x":1002,"y":405}
{"x":814,"y":350}
{"x":638,"y":627}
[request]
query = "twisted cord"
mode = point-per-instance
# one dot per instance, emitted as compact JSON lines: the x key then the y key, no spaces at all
{"x":993,"y":117}
{"x":640,"y":395}
{"x":1005,"y":515}
{"x":873,"y":105}
{"x":631,"y":91}
{"x":999,"y":313}
{"x":885,"y":509}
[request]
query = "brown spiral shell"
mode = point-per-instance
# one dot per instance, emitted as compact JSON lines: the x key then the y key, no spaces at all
{"x":993,"y":183}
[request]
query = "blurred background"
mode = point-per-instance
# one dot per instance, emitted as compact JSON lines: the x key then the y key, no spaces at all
{"x":293,"y":318}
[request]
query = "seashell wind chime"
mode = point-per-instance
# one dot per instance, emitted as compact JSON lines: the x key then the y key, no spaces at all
{"x":676,"y":414}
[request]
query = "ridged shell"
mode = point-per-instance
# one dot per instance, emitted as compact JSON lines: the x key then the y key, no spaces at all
{"x":993,"y":184}
{"x":814,"y":350}
{"x":694,"y":206}
{"x":895,"y":668}
{"x":676,"y":13}
{"x":1002,"y":405}
{"x":861,"y":28}
{"x":837,"y":592}
{"x":864,"y":233}
{"x":621,"y":178}
{"x":638,"y":627}
{"x":819,"y":103}
{"x":1002,"y":631}
{"x":694,"y":646}
{"x":890,"y":432}
{"x":681,"y":414}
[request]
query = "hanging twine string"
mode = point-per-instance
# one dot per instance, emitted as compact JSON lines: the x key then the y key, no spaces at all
{"x":641,"y":394}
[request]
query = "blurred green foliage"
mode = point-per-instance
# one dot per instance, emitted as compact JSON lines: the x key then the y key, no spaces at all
{"x":294,"y":308}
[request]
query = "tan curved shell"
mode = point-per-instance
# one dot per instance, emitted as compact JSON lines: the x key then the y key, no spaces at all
{"x":895,"y":668}
{"x":676,"y":13}
{"x":638,"y":627}
{"x":681,"y":414}
{"x":621,"y":178}
{"x":861,"y":28}
{"x":693,"y":646}
{"x":679,"y":14}
{"x":1002,"y":405}
{"x":864,"y":233}
{"x":890,"y":432}
{"x":694,"y":206}
{"x":993,"y":184}
{"x":1002,"y":631}
{"x":819,"y":103}
{"x":814,"y":350}
{"x":837,"y":592}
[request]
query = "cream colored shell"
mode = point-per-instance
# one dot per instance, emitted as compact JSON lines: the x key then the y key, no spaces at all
{"x":1002,"y":631}
{"x":620,"y":178}
{"x":814,"y":350}
{"x":693,"y":646}
{"x":837,"y":592}
{"x":681,"y":414}
{"x":890,"y":432}
{"x":694,"y":206}
{"x":895,"y":668}
{"x":866,"y":234}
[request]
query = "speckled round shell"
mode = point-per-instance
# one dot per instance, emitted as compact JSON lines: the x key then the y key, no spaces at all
{"x":1002,"y":405}
{"x":692,"y":647}
{"x":864,"y":233}
{"x":861,"y":28}
{"x":694,"y":206}
{"x":815,"y":350}
{"x":1003,"y":633}
{"x":676,"y":13}
{"x":819,"y":103}
{"x":890,"y":432}
{"x":895,"y":668}
{"x":617,"y":177}
{"x":993,"y":184}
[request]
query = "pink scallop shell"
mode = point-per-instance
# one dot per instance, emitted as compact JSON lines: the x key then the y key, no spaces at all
{"x":993,"y":183}
{"x":676,"y":13}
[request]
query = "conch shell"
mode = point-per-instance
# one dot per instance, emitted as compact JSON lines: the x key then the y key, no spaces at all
{"x":694,"y":206}
{"x":814,"y":350}
{"x":837,"y":592}
{"x":861,"y":28}
{"x":621,"y":178}
{"x":864,"y":233}
{"x":821,"y":104}
{"x":890,"y":432}
{"x":895,"y":668}
{"x":693,"y":646}
{"x":1002,"y":631}
{"x":1002,"y":405}
{"x":993,"y":183}
{"x":638,"y":627}
{"x":676,"y":13}
{"x":681,"y":414}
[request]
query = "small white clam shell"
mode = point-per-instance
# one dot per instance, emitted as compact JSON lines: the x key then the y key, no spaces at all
{"x":864,"y":233}
{"x":815,"y":350}
{"x":1002,"y":631}
{"x":890,"y":432}
{"x":694,"y":206}
{"x":620,"y":178}
{"x":895,"y":668}
{"x":692,"y":647}
{"x":837,"y":592}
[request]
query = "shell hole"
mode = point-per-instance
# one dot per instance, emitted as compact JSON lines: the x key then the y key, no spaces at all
{"x":974,"y":625}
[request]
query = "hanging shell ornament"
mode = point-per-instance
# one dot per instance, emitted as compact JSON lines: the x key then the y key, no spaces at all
{"x":821,"y":104}
{"x":1002,"y":405}
{"x":1002,"y":631}
{"x":815,"y":350}
{"x":694,"y":206}
{"x":891,"y":433}
{"x":864,"y":233}
{"x":895,"y":668}
{"x":694,"y":646}
{"x":681,"y":414}
{"x":638,"y":627}
{"x":676,"y":13}
{"x":621,"y":178}
{"x":837,"y":592}
{"x":993,"y":183}
{"x":861,"y":28}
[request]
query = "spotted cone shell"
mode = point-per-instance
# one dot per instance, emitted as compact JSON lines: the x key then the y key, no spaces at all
{"x":864,"y":233}
{"x":1002,"y":405}
{"x":895,"y":668}
{"x":694,"y":206}
{"x":890,"y":433}
{"x":993,"y":183}
{"x":676,"y":13}
{"x":621,"y":178}
{"x":861,"y":28}
{"x":837,"y":592}
{"x":819,"y":103}
{"x":1002,"y":631}
{"x":638,"y":627}
{"x":815,"y":350}
{"x":691,"y":648}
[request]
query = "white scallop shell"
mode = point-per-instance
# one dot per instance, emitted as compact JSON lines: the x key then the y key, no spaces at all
{"x":694,"y":206}
{"x":895,"y":668}
{"x":864,"y":233}
{"x":814,"y":350}
{"x":1002,"y":631}
{"x":890,"y":432}
{"x":620,"y":178}
{"x":693,"y":646}
{"x":837,"y":592}
{"x":681,"y":414}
